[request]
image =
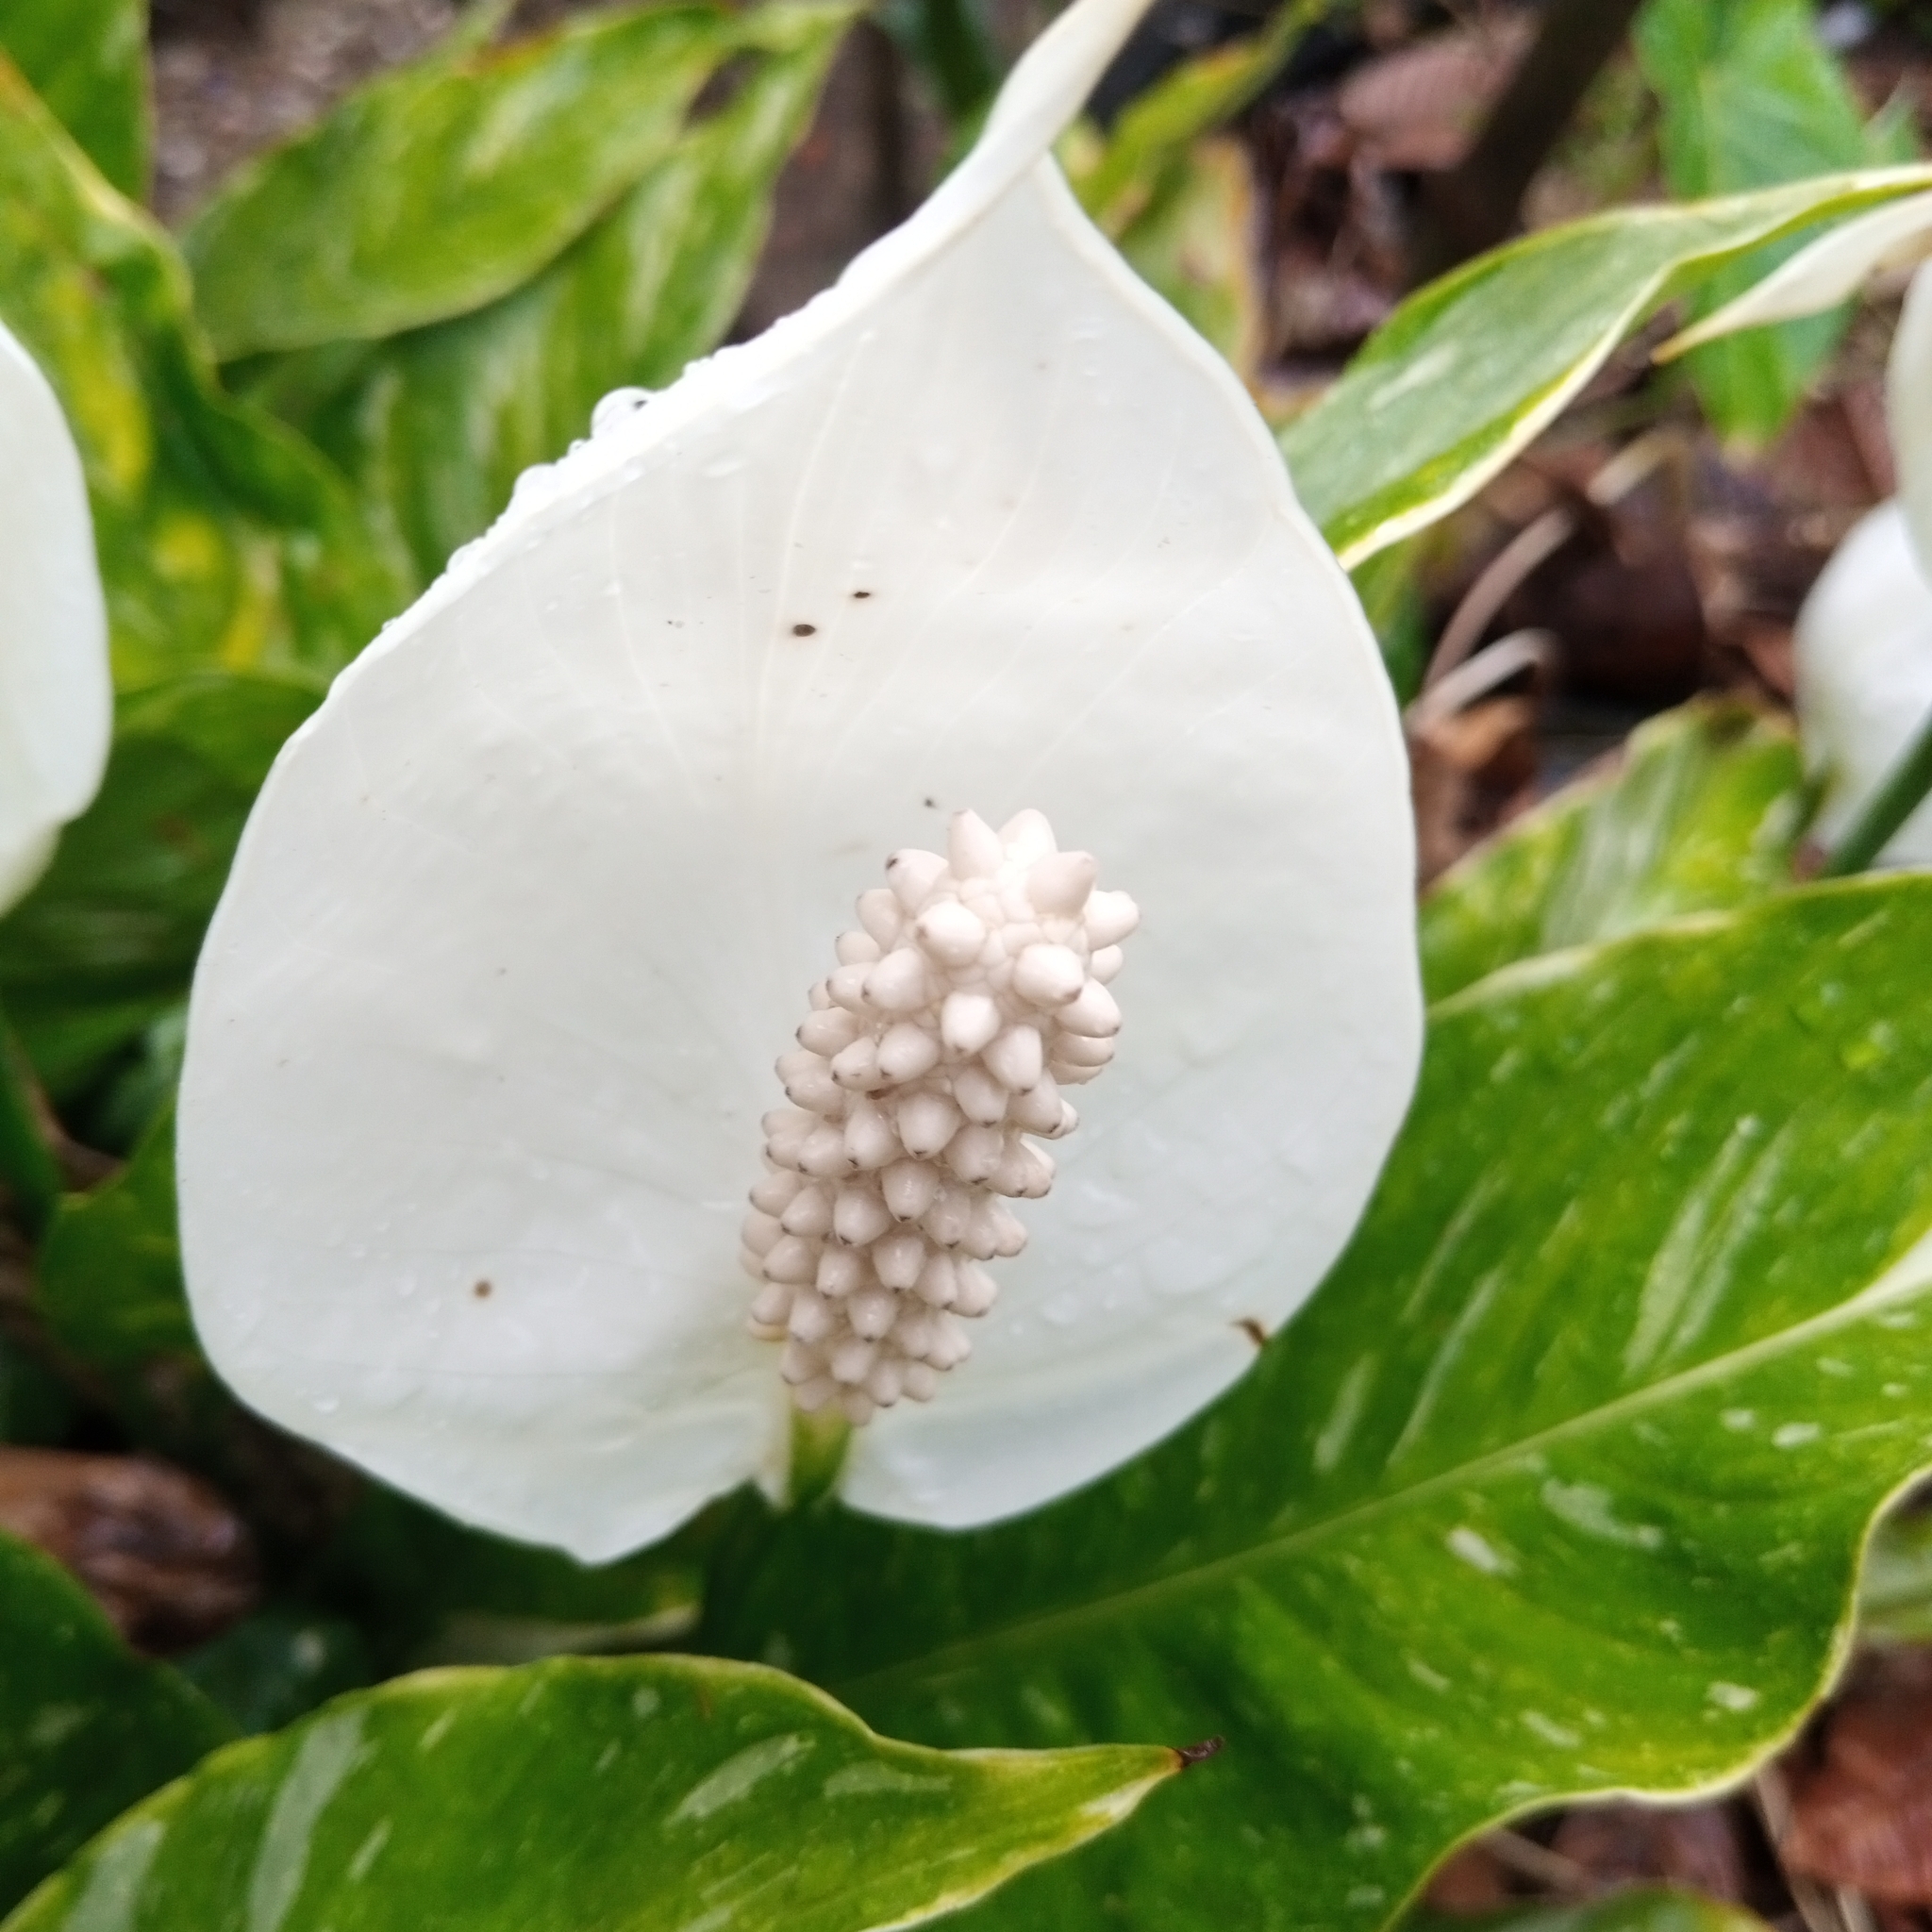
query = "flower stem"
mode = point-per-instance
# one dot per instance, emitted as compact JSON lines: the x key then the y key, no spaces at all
{"x":818,"y":1453}
{"x":1902,"y":790}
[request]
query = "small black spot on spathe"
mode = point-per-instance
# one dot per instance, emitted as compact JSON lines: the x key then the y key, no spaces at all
{"x":1253,"y":1330}
{"x":805,"y":630}
{"x":482,"y":1290}
{"x":861,"y":593}
{"x":932,"y":805}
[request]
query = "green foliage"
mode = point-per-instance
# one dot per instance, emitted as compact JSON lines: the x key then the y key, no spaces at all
{"x":435,"y":425}
{"x":101,"y":949}
{"x":224,"y":539}
{"x":1752,"y":97}
{"x":271,"y":1669}
{"x":1642,"y":1911}
{"x":110,"y":1270}
{"x":1896,"y":1593}
{"x":87,"y":1727}
{"x":431,"y":1590}
{"x":447,"y":184}
{"x":635,"y":1795}
{"x":1557,"y":1486}
{"x":1471,"y":369}
{"x":88,"y":61}
{"x":1700,"y":814}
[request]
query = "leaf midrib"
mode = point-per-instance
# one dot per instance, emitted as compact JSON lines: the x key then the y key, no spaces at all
{"x":1908,"y":1279}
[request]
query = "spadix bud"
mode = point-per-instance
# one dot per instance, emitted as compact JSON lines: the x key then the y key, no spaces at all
{"x":930,"y":1053}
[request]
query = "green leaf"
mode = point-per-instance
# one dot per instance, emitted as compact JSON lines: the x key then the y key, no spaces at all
{"x":436,"y":424}
{"x":1896,"y":1591}
{"x":88,"y":61}
{"x":1471,"y":369}
{"x":1647,"y":1910}
{"x":109,"y":1270}
{"x":102,"y":948}
{"x":29,"y":1174}
{"x":447,"y":184}
{"x":85,"y":1727}
{"x":1700,"y":814}
{"x":269,"y":1669}
{"x":432,"y":1590}
{"x":1558,"y":1484}
{"x":1116,"y":178}
{"x":224,"y":539}
{"x":1192,"y":241}
{"x":1752,"y":97}
{"x":627,"y":1795}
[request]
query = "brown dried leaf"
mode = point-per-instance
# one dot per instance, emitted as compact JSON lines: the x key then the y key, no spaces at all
{"x":1697,"y":1846}
{"x":1419,"y":109}
{"x":1862,"y":1818}
{"x":161,"y":1552}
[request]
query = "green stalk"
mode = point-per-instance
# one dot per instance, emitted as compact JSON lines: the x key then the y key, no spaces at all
{"x":1902,"y":792}
{"x":818,"y":1453}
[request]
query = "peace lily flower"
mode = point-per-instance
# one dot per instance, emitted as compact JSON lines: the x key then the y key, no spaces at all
{"x":1864,"y":637}
{"x":981,"y":551}
{"x":56,"y":704}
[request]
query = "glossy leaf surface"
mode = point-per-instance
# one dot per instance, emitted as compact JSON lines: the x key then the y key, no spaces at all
{"x":102,"y":948}
{"x":87,"y":59}
{"x":445,"y":185}
{"x":1473,"y":368}
{"x":1557,"y":1486}
{"x":224,"y":539}
{"x":637,"y":1796}
{"x":436,"y":424}
{"x":1700,"y":814}
{"x":85,"y":1727}
{"x":1752,"y":97}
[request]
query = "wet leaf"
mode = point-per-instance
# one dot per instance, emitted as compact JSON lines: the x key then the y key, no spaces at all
{"x":223,"y":538}
{"x":447,"y":184}
{"x":1557,"y":1487}
{"x":436,"y":424}
{"x":634,"y":1795}
{"x":1470,"y":370}
{"x":85,"y":1727}
{"x":88,"y":61}
{"x":1700,"y":814}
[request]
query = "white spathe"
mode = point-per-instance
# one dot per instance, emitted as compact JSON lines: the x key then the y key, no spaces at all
{"x":1863,"y":644}
{"x":486,"y":1023}
{"x":56,"y":700}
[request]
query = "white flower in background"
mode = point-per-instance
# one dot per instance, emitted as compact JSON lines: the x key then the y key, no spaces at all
{"x":56,"y":702}
{"x":1864,"y":636}
{"x":480,"y":1064}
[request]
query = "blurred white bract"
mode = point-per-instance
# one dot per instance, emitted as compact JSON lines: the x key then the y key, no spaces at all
{"x":1864,"y":636}
{"x":55,"y":700}
{"x":481,"y":1048}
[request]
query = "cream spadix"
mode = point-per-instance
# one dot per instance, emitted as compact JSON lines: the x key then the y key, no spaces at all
{"x":56,"y":704}
{"x":1864,"y":637}
{"x":483,"y":1037}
